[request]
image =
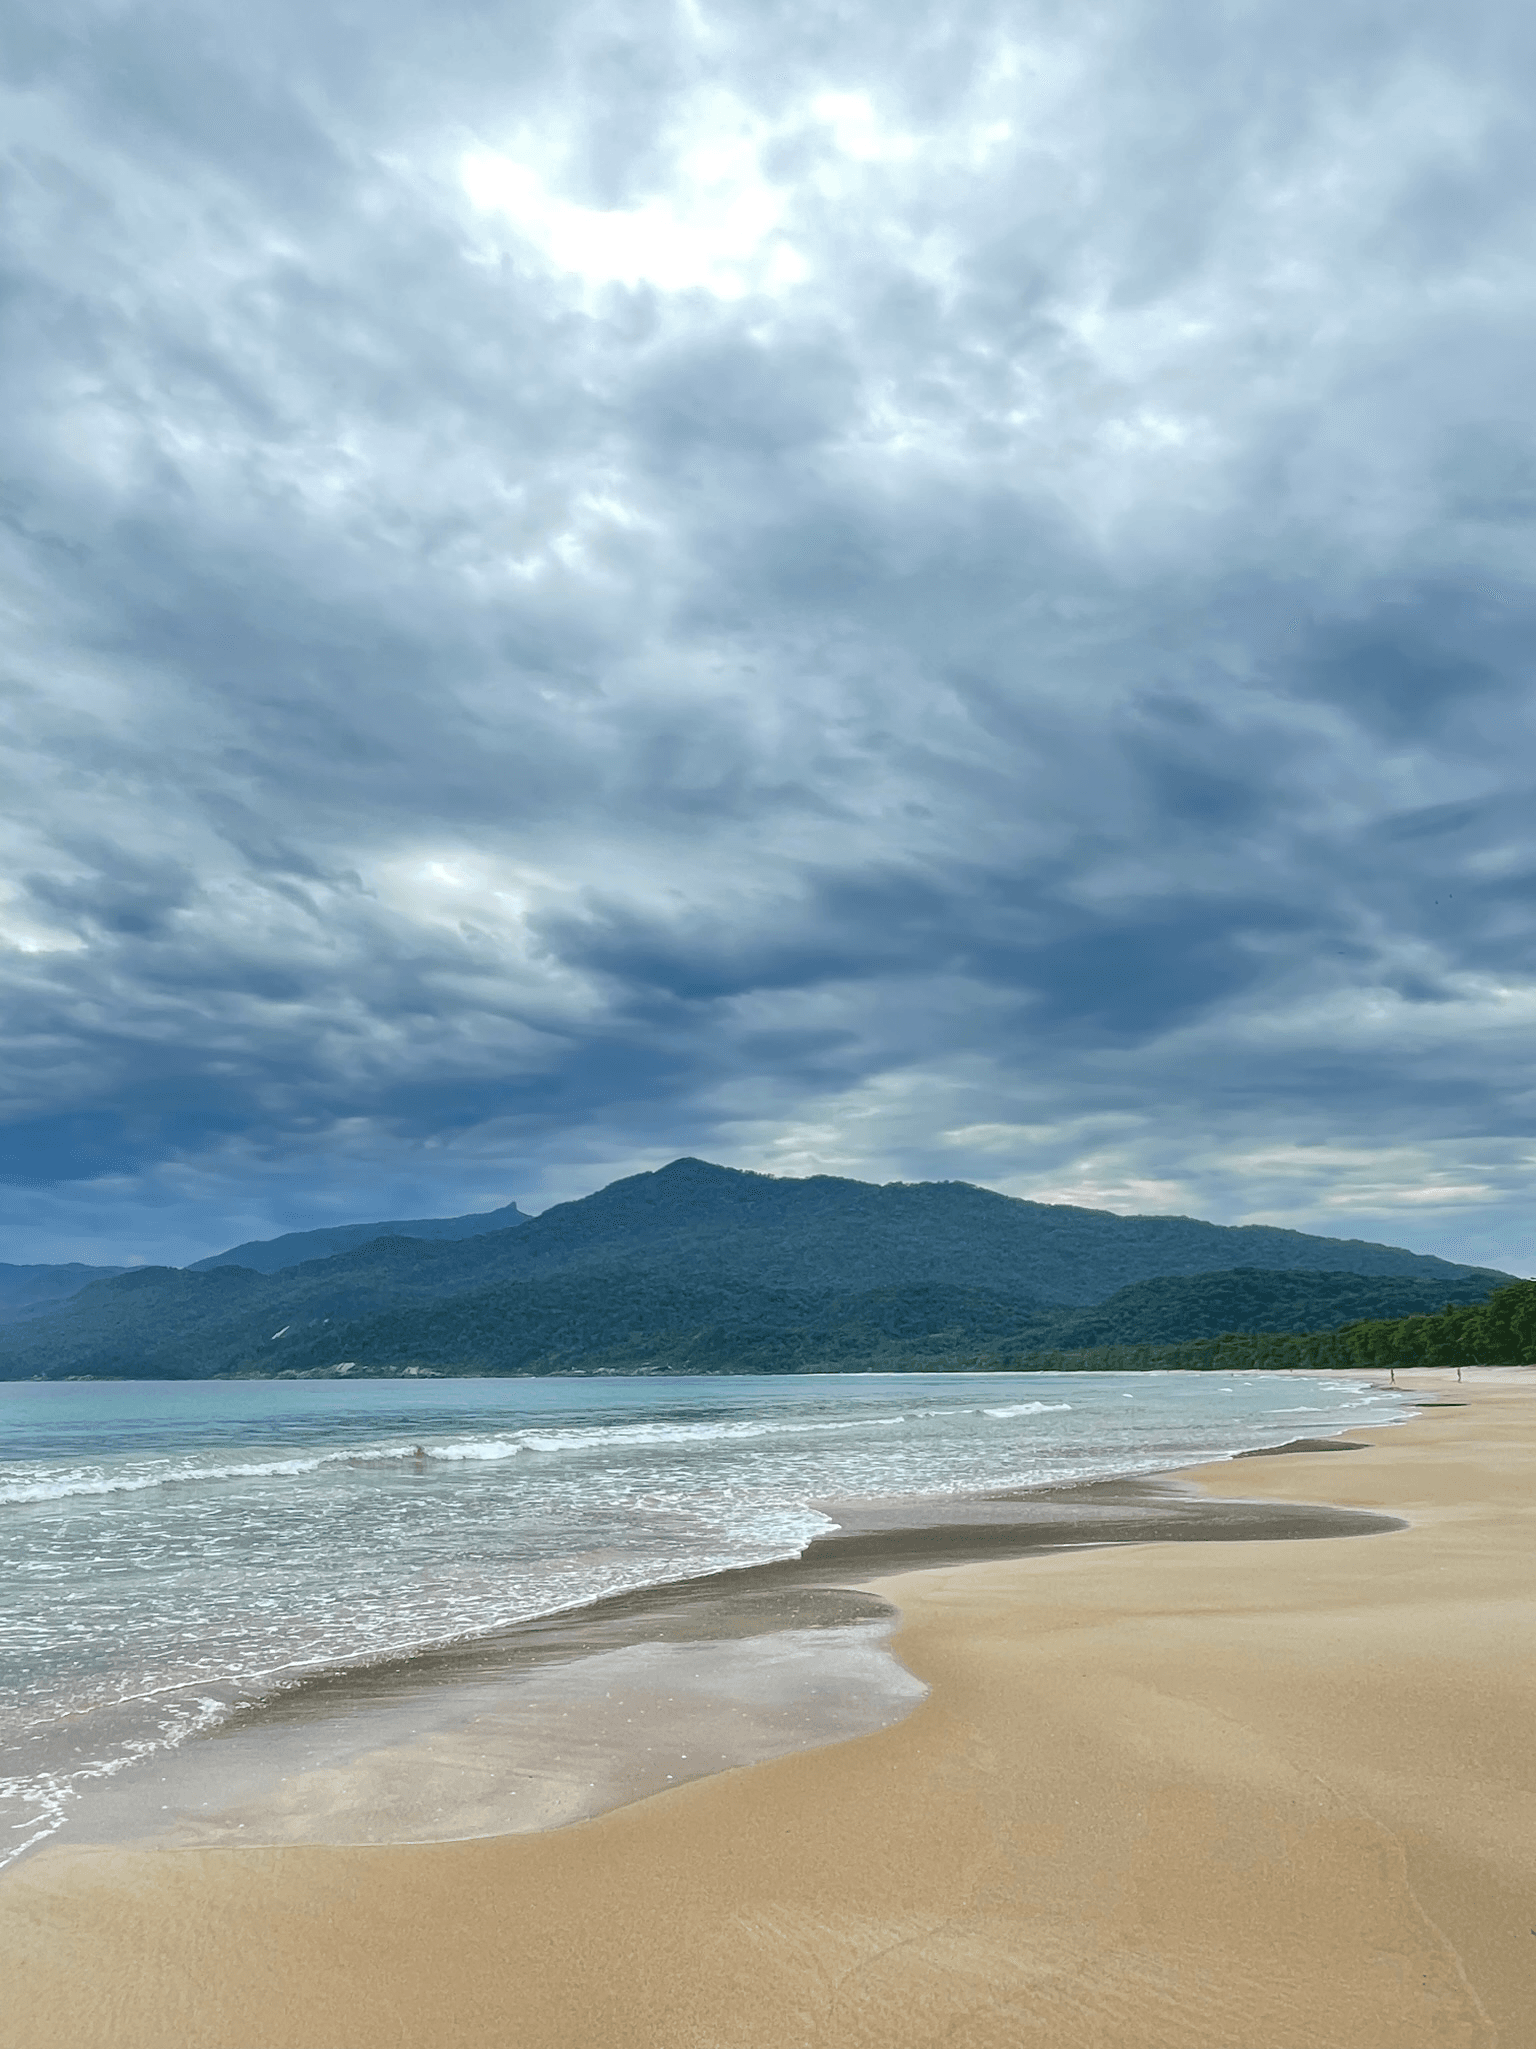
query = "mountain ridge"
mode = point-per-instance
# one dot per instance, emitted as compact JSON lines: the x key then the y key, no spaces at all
{"x":294,"y":1248}
{"x":34,"y":1290}
{"x":716,"y":1265}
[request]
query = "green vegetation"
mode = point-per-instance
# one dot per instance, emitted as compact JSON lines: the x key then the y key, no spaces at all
{"x":699,"y":1269}
{"x":34,"y":1290}
{"x":270,"y":1255}
{"x":159,"y":1323}
{"x":1498,"y":1332}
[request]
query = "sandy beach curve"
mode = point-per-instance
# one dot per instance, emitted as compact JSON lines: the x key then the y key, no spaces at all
{"x":1217,"y":1795}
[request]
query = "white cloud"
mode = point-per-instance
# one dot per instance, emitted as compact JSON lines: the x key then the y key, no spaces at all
{"x":718,"y":227}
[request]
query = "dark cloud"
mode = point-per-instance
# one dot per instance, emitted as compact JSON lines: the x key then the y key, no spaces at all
{"x":918,"y":594}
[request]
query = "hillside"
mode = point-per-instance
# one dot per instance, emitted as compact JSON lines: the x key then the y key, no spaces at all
{"x":1500,"y":1331}
{"x":32,"y":1290}
{"x":706,"y":1221}
{"x":27,"y":1291}
{"x":293,"y":1248}
{"x":1180,"y":1309}
{"x":701,"y":1268}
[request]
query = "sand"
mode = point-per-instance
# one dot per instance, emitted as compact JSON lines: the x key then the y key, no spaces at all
{"x":1215,"y":1795}
{"x":562,"y":1717}
{"x":536,"y":1750}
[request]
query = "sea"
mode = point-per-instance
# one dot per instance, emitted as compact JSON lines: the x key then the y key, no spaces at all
{"x":172,"y":1552}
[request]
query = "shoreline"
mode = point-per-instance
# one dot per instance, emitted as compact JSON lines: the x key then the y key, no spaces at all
{"x":1244,"y":1795}
{"x":124,"y":1768}
{"x":555,"y":1720}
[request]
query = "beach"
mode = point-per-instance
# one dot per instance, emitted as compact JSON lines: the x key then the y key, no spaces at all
{"x":1227,"y":1794}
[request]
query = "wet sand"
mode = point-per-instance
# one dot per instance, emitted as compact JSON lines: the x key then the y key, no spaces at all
{"x":1239,"y":1794}
{"x":563,"y":1717}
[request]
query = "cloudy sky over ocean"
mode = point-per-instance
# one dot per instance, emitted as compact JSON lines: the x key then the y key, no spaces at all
{"x":917,"y":593}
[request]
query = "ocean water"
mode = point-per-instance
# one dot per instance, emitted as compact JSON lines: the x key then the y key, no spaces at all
{"x":171,"y":1552}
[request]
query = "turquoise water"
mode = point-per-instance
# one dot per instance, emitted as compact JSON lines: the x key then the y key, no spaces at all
{"x":170,"y":1551}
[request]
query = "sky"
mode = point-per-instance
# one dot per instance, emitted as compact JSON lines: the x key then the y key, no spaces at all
{"x":830,"y":585}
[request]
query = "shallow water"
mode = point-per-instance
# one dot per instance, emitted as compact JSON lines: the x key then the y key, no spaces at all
{"x":170,"y":1552}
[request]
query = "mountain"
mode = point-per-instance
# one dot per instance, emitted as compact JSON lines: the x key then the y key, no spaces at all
{"x":710,"y":1221}
{"x":703,"y":1268}
{"x":1179,"y":1309}
{"x":271,"y":1255}
{"x":27,"y":1291}
{"x":31,"y":1290}
{"x":1498,"y":1331}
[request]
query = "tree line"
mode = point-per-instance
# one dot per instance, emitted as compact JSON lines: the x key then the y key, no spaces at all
{"x":1500,"y":1331}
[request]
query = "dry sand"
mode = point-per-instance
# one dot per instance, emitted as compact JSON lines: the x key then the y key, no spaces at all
{"x":1219,"y":1795}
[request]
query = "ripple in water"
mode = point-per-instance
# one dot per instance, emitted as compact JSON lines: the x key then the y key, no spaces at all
{"x":171,"y":1551}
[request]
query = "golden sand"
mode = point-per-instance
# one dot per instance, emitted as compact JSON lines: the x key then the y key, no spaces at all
{"x":1207,"y":1796}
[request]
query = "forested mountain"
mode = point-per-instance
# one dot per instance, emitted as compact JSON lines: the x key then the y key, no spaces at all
{"x":1498,"y":1332}
{"x":31,"y":1290}
{"x":701,"y":1268}
{"x":271,"y":1255}
{"x":706,"y":1223}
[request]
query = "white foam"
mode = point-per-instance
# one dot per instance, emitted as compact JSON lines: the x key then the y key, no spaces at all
{"x":89,"y":1481}
{"x":486,"y":1449}
{"x":239,"y":1565}
{"x":602,"y":1436}
{"x":84,"y":1481}
{"x":46,"y":1798}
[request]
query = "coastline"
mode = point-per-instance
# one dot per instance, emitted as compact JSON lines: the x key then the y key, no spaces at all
{"x":1195,"y":1793}
{"x":566,"y":1716}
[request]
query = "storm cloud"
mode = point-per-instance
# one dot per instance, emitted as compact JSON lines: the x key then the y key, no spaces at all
{"x":837,"y":588}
